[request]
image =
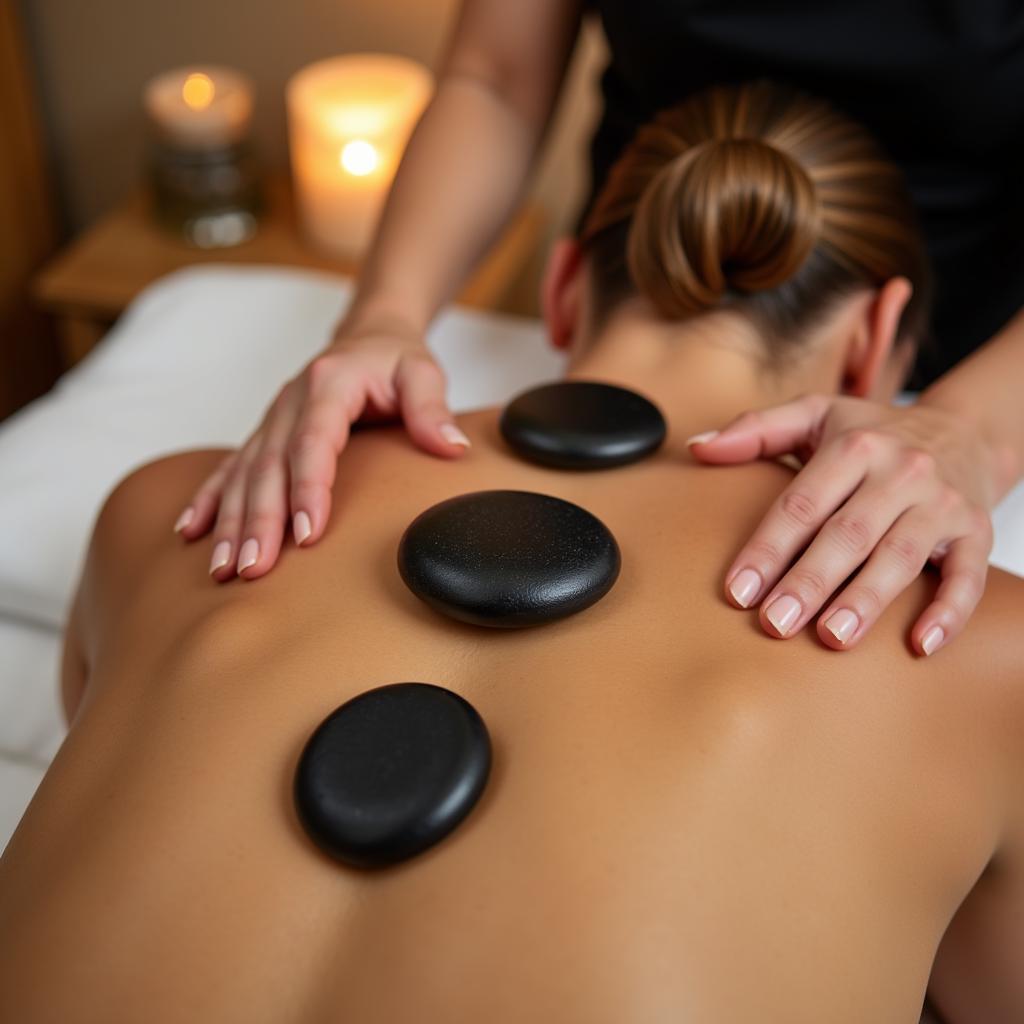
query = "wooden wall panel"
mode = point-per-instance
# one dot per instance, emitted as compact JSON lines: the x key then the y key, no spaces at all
{"x":28,"y":354}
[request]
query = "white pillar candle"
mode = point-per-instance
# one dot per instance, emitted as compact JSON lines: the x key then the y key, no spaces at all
{"x":349,"y":119}
{"x":201,"y":107}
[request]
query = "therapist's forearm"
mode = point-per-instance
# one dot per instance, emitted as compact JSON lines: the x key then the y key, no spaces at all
{"x":461,"y":177}
{"x":985,"y":388}
{"x":468,"y":161}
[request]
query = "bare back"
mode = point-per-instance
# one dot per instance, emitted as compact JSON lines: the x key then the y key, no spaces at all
{"x":686,"y":820}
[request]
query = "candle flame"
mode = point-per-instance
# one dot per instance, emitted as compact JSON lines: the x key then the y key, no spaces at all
{"x":198,"y":90}
{"x":359,"y":157}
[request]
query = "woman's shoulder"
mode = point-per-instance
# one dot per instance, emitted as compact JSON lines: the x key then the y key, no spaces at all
{"x":992,"y":642}
{"x":994,"y":636}
{"x":982,"y":670}
{"x":142,"y":506}
{"x":133,"y":533}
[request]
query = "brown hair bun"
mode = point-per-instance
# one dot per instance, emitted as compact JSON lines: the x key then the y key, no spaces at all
{"x":758,"y":199}
{"x":726,"y":215}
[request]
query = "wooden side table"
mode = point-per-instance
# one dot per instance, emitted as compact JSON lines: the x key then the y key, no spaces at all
{"x":88,"y":284}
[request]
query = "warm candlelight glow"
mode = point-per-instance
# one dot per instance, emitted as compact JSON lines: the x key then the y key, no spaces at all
{"x":200,"y":108}
{"x":198,"y":91}
{"x":358,"y":157}
{"x":349,"y":119}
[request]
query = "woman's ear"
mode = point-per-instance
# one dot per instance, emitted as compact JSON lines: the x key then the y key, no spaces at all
{"x":868,"y":359}
{"x":561,"y":292}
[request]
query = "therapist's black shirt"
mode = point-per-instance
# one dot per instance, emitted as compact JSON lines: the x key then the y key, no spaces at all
{"x":939,"y":82}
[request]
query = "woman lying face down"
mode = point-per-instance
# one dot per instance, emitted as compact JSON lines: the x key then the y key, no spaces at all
{"x":684,"y":820}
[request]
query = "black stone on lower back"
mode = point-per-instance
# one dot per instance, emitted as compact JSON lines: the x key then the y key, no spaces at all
{"x":508,"y":558}
{"x":391,"y":772}
{"x":576,"y":424}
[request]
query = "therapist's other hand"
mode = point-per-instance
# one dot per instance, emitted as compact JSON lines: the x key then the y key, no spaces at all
{"x":286,"y":469}
{"x":884,"y":489}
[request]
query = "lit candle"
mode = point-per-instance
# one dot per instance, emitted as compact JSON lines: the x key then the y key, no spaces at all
{"x":200,"y":108}
{"x":203,"y":173}
{"x":349,"y":120}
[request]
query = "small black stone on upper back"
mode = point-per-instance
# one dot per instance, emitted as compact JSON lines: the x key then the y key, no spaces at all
{"x":576,"y":424}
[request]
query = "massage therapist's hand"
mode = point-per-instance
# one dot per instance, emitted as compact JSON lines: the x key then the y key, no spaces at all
{"x":884,"y":489}
{"x":286,"y":468}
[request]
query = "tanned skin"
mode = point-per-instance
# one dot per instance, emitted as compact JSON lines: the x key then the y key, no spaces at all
{"x":686,"y":820}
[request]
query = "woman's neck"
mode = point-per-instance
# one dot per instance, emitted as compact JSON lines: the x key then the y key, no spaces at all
{"x":702,"y":373}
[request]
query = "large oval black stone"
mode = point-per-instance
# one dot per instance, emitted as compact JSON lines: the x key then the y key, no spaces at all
{"x":579,"y":424}
{"x":508,"y":558}
{"x":391,"y":772}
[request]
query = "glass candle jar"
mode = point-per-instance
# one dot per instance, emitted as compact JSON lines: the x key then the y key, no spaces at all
{"x":349,"y":119}
{"x":202,"y":169}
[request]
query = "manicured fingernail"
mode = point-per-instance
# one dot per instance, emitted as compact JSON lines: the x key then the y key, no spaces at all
{"x":249,"y":554}
{"x":745,"y":586}
{"x":184,"y":519}
{"x":221,"y":556}
{"x":932,"y":639}
{"x":842,"y":624}
{"x":301,"y":526}
{"x":783,"y":612}
{"x":453,"y":435}
{"x":708,"y":435}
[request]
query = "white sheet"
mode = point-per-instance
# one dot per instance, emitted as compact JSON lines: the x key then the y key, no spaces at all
{"x":31,"y":727}
{"x":20,"y":779}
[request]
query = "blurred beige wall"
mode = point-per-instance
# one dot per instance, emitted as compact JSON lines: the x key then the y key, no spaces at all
{"x":92,"y":58}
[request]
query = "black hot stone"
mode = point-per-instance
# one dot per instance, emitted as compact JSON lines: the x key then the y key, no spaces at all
{"x":391,"y":772}
{"x":578,"y":424}
{"x":508,"y":558}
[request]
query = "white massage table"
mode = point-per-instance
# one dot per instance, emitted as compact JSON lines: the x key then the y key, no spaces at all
{"x":194,"y":363}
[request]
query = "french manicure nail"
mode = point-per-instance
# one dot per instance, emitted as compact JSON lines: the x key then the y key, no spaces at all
{"x":932,"y":639}
{"x":453,"y":435}
{"x":249,"y":555}
{"x":184,"y":519}
{"x":783,"y":612}
{"x":301,"y":526}
{"x":744,"y":587}
{"x":221,"y":556}
{"x":708,"y":435}
{"x":842,"y":624}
